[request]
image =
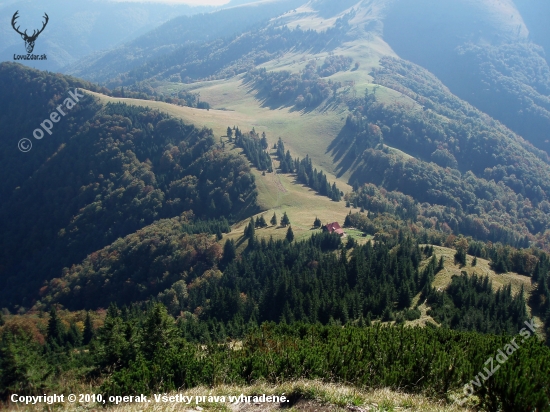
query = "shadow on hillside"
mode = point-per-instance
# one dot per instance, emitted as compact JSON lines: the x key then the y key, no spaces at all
{"x":341,"y":152}
{"x":268,"y":102}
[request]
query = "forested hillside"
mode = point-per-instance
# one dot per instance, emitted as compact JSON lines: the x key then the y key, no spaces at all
{"x":173,"y":230}
{"x":510,"y":82}
{"x":168,"y":39}
{"x":108,"y":173}
{"x":77,"y":30}
{"x":468,"y":171}
{"x":228,"y":56}
{"x":496,"y":61}
{"x":138,"y":346}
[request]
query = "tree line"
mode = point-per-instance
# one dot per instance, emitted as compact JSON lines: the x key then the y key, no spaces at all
{"x":254,"y":147}
{"x":305,"y":173}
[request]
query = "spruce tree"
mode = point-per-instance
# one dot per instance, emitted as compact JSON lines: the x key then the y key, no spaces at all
{"x":441,"y":264}
{"x":460,"y":257}
{"x":252,"y":230}
{"x":317,"y":223}
{"x":387,"y":315}
{"x":74,"y":336}
{"x":289,"y":234}
{"x":88,"y":333}
{"x":229,"y":250}
{"x":56,"y":330}
{"x":285,"y":221}
{"x":229,"y":133}
{"x":273,"y":220}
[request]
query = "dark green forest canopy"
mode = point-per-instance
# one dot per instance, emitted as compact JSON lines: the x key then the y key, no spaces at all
{"x":309,"y":281}
{"x":146,"y":351}
{"x":470,"y":303}
{"x":110,"y":172}
{"x":28,"y":97}
{"x":158,"y":261}
{"x":469,"y":172}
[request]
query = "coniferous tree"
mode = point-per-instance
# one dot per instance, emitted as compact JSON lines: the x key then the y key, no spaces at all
{"x":460,"y":257}
{"x":289,"y":234}
{"x":317,"y":223}
{"x":230,"y":133}
{"x":285,"y":221}
{"x":159,"y":328}
{"x":368,"y":321}
{"x":56,"y":330}
{"x":229,"y":253}
{"x":387,"y":315}
{"x":250,"y":231}
{"x":88,"y":333}
{"x":441,"y":264}
{"x":347,"y":220}
{"x":252,"y":242}
{"x":74,"y":336}
{"x":273,"y":220}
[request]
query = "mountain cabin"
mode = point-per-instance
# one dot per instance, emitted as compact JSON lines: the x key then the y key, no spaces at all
{"x":333,"y":228}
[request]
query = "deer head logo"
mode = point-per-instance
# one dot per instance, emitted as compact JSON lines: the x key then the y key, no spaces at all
{"x":29,"y":40}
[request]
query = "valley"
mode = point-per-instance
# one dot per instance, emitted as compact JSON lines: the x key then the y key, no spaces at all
{"x":167,"y":236}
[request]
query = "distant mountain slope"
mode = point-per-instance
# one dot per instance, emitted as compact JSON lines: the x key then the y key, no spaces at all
{"x":174,"y":34}
{"x":451,"y":157}
{"x":479,"y":177}
{"x":225,"y":58}
{"x":535,"y":15}
{"x":482,"y":51}
{"x":103,"y":174}
{"x":77,"y":29}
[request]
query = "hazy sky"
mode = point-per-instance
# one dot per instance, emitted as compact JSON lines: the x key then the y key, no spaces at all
{"x":189,"y":2}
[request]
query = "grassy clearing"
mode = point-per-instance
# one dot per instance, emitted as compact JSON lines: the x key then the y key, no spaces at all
{"x":482,"y":268}
{"x":303,"y":133}
{"x":277,"y":192}
{"x":303,"y":395}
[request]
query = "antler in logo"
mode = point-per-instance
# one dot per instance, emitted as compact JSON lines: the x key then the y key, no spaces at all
{"x":29,"y":40}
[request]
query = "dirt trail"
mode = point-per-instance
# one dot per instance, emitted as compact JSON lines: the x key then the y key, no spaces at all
{"x":277,"y":179}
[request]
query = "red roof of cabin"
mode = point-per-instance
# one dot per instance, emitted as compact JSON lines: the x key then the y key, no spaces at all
{"x":334,"y":228}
